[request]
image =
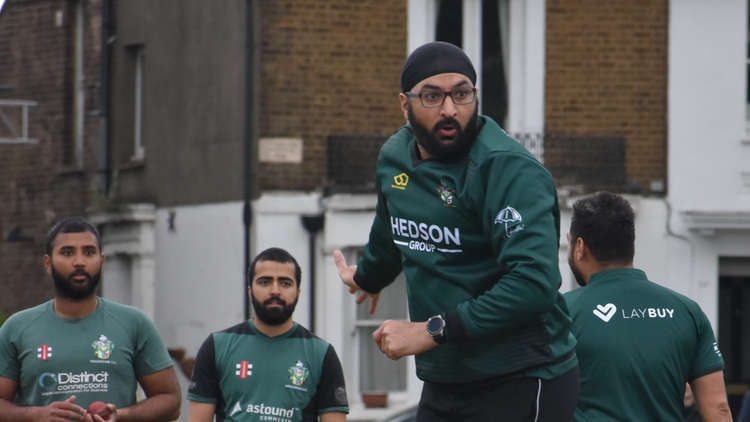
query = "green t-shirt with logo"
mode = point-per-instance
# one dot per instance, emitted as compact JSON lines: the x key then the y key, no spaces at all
{"x":249,"y":376}
{"x":477,"y":240}
{"x":638,"y":343}
{"x":97,"y":357}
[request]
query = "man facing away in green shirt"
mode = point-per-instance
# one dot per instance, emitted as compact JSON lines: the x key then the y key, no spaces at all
{"x":638,"y":342}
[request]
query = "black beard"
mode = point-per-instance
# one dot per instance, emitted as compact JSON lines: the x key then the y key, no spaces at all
{"x":66,"y":287}
{"x":442,"y":149}
{"x":273,"y":316}
{"x":577,"y":274}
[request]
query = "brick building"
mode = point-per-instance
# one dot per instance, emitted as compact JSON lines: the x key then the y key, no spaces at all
{"x":211,"y":130}
{"x":49,"y":56}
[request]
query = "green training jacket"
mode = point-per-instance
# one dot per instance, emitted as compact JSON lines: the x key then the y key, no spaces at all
{"x":478,"y":242}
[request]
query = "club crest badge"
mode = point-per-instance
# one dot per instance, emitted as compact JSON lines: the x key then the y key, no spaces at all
{"x":298,"y":374}
{"x":103,"y":347}
{"x":447,"y":195}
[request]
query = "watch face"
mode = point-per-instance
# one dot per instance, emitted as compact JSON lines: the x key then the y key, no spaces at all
{"x":434,"y":325}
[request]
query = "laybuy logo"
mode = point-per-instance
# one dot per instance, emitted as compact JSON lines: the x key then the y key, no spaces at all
{"x":606,"y":312}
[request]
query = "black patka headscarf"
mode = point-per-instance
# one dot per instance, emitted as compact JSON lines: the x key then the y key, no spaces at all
{"x":434,"y":58}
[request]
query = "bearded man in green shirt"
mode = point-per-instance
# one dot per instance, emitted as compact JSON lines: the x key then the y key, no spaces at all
{"x":638,"y":342}
{"x":472,"y":220}
{"x":59,"y":357}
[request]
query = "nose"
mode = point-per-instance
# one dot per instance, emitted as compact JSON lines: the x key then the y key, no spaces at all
{"x":448,"y":109}
{"x":275,"y":288}
{"x":78,"y":260}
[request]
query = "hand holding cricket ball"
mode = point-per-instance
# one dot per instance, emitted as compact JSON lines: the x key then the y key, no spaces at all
{"x":99,"y":408}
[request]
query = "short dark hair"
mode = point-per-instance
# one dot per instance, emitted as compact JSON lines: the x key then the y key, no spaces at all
{"x":71,"y":225}
{"x":275,"y":255}
{"x":606,"y":223}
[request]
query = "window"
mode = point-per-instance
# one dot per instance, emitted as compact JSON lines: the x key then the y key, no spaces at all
{"x":137,"y":55}
{"x":505,"y":41}
{"x":375,"y":371}
{"x":492,"y":42}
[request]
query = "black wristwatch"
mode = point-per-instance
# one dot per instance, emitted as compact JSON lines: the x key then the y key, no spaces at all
{"x":436,"y":328}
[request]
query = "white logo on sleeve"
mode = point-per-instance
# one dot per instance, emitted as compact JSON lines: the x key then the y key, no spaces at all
{"x":511,"y":219}
{"x":716,"y":349}
{"x":606,"y":312}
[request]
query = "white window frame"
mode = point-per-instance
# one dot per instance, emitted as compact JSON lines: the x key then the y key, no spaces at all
{"x":413,"y":386}
{"x":526,"y":64}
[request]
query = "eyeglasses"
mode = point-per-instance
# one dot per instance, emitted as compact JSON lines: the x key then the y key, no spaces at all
{"x":431,"y":98}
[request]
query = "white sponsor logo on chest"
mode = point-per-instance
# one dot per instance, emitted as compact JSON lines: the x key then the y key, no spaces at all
{"x":606,"y":312}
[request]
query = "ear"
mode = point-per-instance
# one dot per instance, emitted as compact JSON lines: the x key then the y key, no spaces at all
{"x":47,"y":264}
{"x":402,"y":98}
{"x":580,"y":250}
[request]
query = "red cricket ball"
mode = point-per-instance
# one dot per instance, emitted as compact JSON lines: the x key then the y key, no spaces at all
{"x":99,"y":408}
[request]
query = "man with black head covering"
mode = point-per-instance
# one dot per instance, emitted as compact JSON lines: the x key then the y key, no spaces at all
{"x":472,"y":219}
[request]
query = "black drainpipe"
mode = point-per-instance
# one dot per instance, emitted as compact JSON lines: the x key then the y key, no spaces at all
{"x":252,"y":40}
{"x":103,"y":156}
{"x":313,"y":224}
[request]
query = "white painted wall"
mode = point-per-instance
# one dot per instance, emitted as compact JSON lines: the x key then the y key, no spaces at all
{"x":706,"y":153}
{"x":199,"y":272}
{"x":706,"y":105}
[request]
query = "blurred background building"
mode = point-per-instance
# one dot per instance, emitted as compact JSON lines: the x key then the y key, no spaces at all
{"x":197,"y":133}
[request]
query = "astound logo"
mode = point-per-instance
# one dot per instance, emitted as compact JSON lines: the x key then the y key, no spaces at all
{"x":606,"y":312}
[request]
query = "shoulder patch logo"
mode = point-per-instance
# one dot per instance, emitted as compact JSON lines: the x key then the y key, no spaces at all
{"x":606,"y":312}
{"x":447,"y":195}
{"x":298,"y":373}
{"x":244,"y":369}
{"x":511,"y":219}
{"x":44,"y":352}
{"x":716,"y":349}
{"x":103,"y":347}
{"x":400,"y":181}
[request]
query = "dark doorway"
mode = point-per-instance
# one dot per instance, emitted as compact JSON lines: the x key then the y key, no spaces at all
{"x":734,"y":320}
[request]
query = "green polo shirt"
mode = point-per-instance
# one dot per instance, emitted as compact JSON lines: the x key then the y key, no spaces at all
{"x":96,"y":358}
{"x":638,"y":343}
{"x":249,"y":376}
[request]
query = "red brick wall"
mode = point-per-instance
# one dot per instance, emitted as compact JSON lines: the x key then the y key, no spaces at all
{"x":328,"y":68}
{"x":606,"y":74}
{"x":35,"y":187}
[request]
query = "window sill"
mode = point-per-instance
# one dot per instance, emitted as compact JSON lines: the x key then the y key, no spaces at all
{"x":133,"y":164}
